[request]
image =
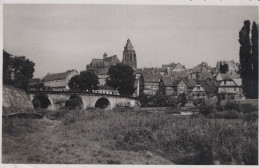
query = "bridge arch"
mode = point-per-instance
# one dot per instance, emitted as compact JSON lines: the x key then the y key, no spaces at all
{"x":42,"y":101}
{"x":78,"y":101}
{"x":103,"y":103}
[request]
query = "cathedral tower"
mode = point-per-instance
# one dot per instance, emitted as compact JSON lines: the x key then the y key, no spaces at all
{"x":129,"y":56}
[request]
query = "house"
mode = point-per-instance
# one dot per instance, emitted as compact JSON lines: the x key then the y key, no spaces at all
{"x":105,"y":89}
{"x":102,"y":65}
{"x":59,"y":81}
{"x":191,"y":83}
{"x":229,"y":89}
{"x":180,"y":87}
{"x":102,"y":78}
{"x":161,"y":71}
{"x":166,"y":86}
{"x":151,"y":83}
{"x":198,"y":92}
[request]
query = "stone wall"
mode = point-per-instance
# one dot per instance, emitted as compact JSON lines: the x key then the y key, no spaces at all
{"x":15,"y":101}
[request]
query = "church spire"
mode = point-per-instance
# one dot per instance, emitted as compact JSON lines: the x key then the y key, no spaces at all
{"x":129,"y":56}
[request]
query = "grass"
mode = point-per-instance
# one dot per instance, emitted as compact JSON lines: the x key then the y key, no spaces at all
{"x":129,"y":137}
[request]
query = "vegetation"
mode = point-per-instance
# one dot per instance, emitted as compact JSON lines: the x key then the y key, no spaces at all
{"x":158,"y":100}
{"x":123,"y":137}
{"x":74,"y":102}
{"x":41,"y":100}
{"x":249,"y":59}
{"x":85,"y":81}
{"x":19,"y":68}
{"x":121,"y":77}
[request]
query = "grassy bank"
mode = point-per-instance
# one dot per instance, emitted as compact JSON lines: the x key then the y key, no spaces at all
{"x":130,"y":137}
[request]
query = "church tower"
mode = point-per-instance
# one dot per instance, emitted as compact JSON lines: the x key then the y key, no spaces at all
{"x":129,"y":56}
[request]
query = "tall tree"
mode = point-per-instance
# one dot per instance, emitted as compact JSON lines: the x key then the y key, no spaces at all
{"x":20,"y":68}
{"x":74,"y":83}
{"x":245,"y":58}
{"x":122,"y":77}
{"x":255,"y":59}
{"x":87,"y":81}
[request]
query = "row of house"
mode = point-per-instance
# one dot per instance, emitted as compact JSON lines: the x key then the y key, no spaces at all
{"x":201,"y":82}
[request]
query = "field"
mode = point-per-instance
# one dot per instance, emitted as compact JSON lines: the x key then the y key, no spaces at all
{"x":128,"y":137}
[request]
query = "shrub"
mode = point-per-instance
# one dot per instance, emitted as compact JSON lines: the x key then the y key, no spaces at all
{"x":206,"y":109}
{"x":247,"y":108}
{"x":232,"y":106}
{"x":73,"y":103}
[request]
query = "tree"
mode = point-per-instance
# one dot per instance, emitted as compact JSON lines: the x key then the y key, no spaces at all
{"x":122,"y":77}
{"x":74,"y":83}
{"x":248,"y":55}
{"x":85,"y":81}
{"x":255,"y":59}
{"x":223,"y":68}
{"x":22,"y":69}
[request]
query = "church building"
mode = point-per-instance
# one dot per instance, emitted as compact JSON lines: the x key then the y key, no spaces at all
{"x":129,"y":56}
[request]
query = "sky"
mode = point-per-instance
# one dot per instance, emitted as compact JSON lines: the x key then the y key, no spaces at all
{"x":62,"y":37}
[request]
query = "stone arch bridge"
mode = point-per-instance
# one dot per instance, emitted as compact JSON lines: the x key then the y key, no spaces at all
{"x":107,"y":101}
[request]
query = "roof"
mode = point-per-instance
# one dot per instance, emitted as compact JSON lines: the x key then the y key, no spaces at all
{"x":204,"y":75}
{"x":152,"y":77}
{"x":238,"y":82}
{"x":167,"y":81}
{"x":179,"y":66}
{"x":160,"y":70}
{"x":209,"y":87}
{"x":144,"y":70}
{"x":57,"y":76}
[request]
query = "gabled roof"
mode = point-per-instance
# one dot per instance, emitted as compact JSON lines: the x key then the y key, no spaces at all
{"x":209,"y":87}
{"x":179,"y":66}
{"x":57,"y":76}
{"x":167,"y":81}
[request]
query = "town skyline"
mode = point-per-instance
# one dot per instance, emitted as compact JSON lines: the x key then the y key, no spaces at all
{"x":61,"y":37}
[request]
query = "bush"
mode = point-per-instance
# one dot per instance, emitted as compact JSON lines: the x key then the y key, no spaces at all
{"x":229,"y":114}
{"x":232,"y":106}
{"x":247,"y":108}
{"x":206,"y":109}
{"x":73,"y":103}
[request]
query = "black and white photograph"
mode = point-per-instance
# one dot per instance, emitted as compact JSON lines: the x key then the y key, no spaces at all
{"x":130,"y":84}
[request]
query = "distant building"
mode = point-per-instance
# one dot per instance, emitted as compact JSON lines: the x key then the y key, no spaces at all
{"x":105,"y":89}
{"x":102,"y":65}
{"x":129,"y":55}
{"x":232,"y":66}
{"x":59,"y":81}
{"x":178,"y":68}
{"x":151,"y":83}
{"x":166,"y":86}
{"x":180,"y":87}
